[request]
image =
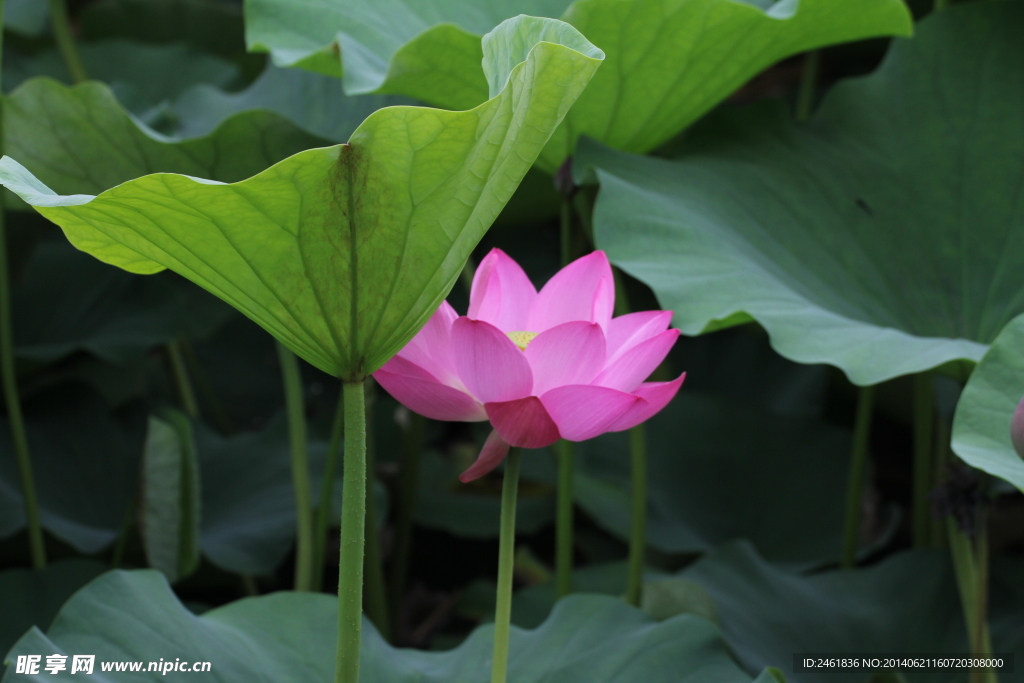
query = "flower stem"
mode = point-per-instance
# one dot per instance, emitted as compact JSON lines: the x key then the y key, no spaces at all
{"x":353,"y":529}
{"x":300,"y":468}
{"x":506,"y":560}
{"x":10,"y":386}
{"x":412,"y":444}
{"x":808,"y":83}
{"x":323,"y":510}
{"x":858,"y":467}
{"x":564,"y":449}
{"x":65,"y":42}
{"x":180,"y":372}
{"x":923,"y":456}
{"x":638,"y":523}
{"x":564,"y":521}
{"x":970,"y":563}
{"x":376,"y":594}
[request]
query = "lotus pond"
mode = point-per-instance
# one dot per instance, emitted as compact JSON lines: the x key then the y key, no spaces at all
{"x":455,"y":341}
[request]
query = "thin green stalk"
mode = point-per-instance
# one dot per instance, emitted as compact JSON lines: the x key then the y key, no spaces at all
{"x":179,"y":371}
{"x":376,"y":591}
{"x":506,"y":561}
{"x":638,"y":522}
{"x":10,"y":381}
{"x":300,"y":468}
{"x":353,"y":529}
{"x":970,"y":564}
{"x":564,"y":449}
{"x":408,"y":482}
{"x":65,"y":41}
{"x":323,"y":511}
{"x":858,"y":468}
{"x":942,"y":457}
{"x":808,"y":84}
{"x":923,"y":475}
{"x":564,"y":520}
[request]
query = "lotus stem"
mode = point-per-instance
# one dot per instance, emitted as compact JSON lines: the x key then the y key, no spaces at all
{"x":940,"y":468}
{"x":408,"y":483}
{"x":808,"y":84}
{"x":858,"y":469}
{"x":353,"y":529}
{"x":65,"y":41}
{"x":506,"y":561}
{"x":638,"y":522}
{"x":181,"y":380}
{"x":10,"y":385}
{"x":323,"y":511}
{"x":923,"y":475}
{"x":300,"y":468}
{"x":376,"y":593}
{"x":970,"y":564}
{"x":564,"y":521}
{"x":564,"y":449}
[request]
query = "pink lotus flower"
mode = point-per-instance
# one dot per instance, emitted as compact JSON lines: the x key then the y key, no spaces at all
{"x":540,"y":366}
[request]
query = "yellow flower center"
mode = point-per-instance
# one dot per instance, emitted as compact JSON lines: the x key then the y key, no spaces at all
{"x":521,"y":339}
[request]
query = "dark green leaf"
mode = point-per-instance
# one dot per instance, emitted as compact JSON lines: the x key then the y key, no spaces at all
{"x":290,"y":636}
{"x":70,"y":302}
{"x":319,"y":248}
{"x":883,"y":236}
{"x":86,"y":466}
{"x":32,"y":598}
{"x":720,"y":470}
{"x":981,"y":427}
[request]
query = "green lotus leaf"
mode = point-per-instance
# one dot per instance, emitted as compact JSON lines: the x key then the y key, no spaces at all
{"x":669,"y":62}
{"x":141,"y":73}
{"x":720,"y":470}
{"x":248,"y":502}
{"x":27,"y":17}
{"x":883,"y":236}
{"x":311,"y":101}
{"x":905,"y":603}
{"x":99,"y":145}
{"x":33,"y":597}
{"x":532,"y":605}
{"x":290,"y":636}
{"x":343,"y":253}
{"x":428,"y":50}
{"x":981,"y":426}
{"x":215,"y":27}
{"x":86,"y":465}
{"x":68,"y":302}
{"x":768,"y":612}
